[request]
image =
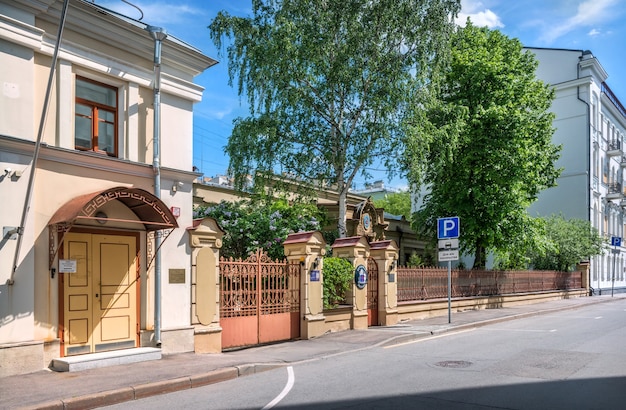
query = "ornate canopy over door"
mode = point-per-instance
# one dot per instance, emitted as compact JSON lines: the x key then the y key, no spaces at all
{"x":152,"y":214}
{"x":99,"y":292}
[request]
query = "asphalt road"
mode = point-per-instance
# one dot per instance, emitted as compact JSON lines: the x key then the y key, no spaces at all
{"x":574,"y":359}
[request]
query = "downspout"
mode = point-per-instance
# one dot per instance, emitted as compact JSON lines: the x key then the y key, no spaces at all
{"x":158,"y":35}
{"x":588,"y":202}
{"x":42,"y":123}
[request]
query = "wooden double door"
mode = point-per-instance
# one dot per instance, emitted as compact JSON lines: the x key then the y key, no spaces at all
{"x":100,"y":293}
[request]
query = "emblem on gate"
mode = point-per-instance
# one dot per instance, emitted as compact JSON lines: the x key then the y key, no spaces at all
{"x":360,"y":276}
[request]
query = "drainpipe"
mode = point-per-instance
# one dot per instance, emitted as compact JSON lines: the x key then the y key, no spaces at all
{"x":158,"y":34}
{"x":42,"y":122}
{"x":588,"y":151}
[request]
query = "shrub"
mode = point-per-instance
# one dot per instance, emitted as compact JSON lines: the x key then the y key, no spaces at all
{"x":249,"y":225}
{"x":337,"y":278}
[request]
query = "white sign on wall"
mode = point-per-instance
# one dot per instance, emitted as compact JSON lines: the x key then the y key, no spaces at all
{"x":67,"y":265}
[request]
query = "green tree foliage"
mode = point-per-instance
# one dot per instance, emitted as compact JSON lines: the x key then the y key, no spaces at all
{"x":569,"y":242}
{"x":337,"y":278}
{"x":397,"y":203}
{"x":531,"y":240}
{"x":249,"y":225}
{"x":329,"y":84}
{"x":495,"y":153}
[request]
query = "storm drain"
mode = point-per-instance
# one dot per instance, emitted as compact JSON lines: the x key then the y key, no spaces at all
{"x":454,"y":364}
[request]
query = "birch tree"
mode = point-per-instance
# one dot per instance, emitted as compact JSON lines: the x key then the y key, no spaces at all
{"x":329,"y":84}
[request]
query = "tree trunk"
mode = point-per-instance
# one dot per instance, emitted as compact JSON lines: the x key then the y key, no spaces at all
{"x":341,"y":222}
{"x":479,"y":257}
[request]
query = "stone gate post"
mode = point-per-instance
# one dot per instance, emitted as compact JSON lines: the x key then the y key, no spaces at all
{"x":356,"y":249}
{"x":584,"y":268}
{"x":385,"y":253}
{"x":308,"y":249}
{"x":205,"y":241}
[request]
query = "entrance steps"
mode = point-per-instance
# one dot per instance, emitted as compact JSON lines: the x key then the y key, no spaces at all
{"x":105,"y":359}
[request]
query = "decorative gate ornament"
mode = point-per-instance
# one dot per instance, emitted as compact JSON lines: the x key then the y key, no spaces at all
{"x":360,"y":276}
{"x":259,"y":300}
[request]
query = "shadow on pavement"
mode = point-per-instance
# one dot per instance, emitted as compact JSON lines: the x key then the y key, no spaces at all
{"x":600,"y":393}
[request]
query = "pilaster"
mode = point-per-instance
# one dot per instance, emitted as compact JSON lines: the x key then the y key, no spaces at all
{"x":206,"y":241}
{"x":356,"y":249}
{"x":308,"y":249}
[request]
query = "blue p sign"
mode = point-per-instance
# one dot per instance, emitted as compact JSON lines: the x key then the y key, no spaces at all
{"x":616,"y":241}
{"x":448,"y":228}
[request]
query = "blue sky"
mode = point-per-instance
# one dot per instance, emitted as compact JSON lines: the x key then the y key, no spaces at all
{"x":596,"y":25}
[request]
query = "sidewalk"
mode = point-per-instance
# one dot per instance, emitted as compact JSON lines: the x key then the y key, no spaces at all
{"x":109,"y":385}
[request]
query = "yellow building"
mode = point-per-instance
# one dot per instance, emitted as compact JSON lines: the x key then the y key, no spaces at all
{"x":95,"y":201}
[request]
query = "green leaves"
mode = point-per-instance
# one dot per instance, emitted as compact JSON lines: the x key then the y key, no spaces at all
{"x":492,"y":151}
{"x":337,"y":279}
{"x":263,"y":223}
{"x":398,"y":203}
{"x":569,"y":241}
{"x":331,"y":84}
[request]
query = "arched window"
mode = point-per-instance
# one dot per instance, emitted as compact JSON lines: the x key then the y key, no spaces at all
{"x":594,"y":111}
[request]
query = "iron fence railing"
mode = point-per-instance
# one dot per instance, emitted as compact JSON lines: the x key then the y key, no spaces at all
{"x":432,"y":283}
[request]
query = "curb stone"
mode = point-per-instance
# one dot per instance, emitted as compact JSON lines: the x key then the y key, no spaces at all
{"x":127,"y":394}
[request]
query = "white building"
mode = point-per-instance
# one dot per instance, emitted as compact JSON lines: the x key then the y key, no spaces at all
{"x":112,"y":181}
{"x":590,"y":124}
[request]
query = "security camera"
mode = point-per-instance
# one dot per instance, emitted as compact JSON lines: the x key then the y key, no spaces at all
{"x":8,"y":171}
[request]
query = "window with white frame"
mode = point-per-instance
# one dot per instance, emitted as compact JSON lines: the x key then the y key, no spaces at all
{"x":95,"y":121}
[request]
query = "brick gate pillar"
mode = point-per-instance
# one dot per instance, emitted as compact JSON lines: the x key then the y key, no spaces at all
{"x":356,"y":249}
{"x":205,"y":241}
{"x":308,"y":248}
{"x":385,"y":253}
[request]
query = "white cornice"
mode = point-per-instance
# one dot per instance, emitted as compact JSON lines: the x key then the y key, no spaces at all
{"x":33,"y":6}
{"x":130,"y":36}
{"x":596,"y":68}
{"x":20,"y":33}
{"x":89,"y":160}
{"x":583,"y":81}
{"x":37,"y":40}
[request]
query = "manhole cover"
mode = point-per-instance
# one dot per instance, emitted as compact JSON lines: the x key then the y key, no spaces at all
{"x":454,"y":364}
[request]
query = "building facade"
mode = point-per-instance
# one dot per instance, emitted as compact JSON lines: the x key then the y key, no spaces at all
{"x":97,"y":193}
{"x":590,"y":125}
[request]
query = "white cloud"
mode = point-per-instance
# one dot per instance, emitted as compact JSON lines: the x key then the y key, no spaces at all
{"x":588,"y":13}
{"x":593,"y":33}
{"x":478,"y":14}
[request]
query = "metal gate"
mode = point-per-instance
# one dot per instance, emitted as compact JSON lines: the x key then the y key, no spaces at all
{"x":259,"y":300}
{"x":372,"y":292}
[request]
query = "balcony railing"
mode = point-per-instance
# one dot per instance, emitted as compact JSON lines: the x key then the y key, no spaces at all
{"x":614,"y":148}
{"x":609,"y":93}
{"x":614,"y":191}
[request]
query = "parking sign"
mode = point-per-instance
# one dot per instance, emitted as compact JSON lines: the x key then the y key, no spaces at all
{"x":616,"y":241}
{"x":448,"y":228}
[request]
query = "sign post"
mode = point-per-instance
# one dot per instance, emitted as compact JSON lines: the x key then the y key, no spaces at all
{"x":448,"y":230}
{"x":617,"y":242}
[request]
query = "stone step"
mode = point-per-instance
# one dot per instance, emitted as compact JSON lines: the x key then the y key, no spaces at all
{"x":105,"y":359}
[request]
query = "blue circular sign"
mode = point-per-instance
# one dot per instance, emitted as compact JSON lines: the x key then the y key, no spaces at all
{"x":360,"y":276}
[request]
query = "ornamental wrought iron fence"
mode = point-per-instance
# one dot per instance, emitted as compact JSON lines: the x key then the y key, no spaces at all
{"x":432,"y":282}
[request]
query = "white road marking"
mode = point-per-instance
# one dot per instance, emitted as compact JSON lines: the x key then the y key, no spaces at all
{"x":598,"y":317}
{"x":290,"y":381}
{"x":430,"y":338}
